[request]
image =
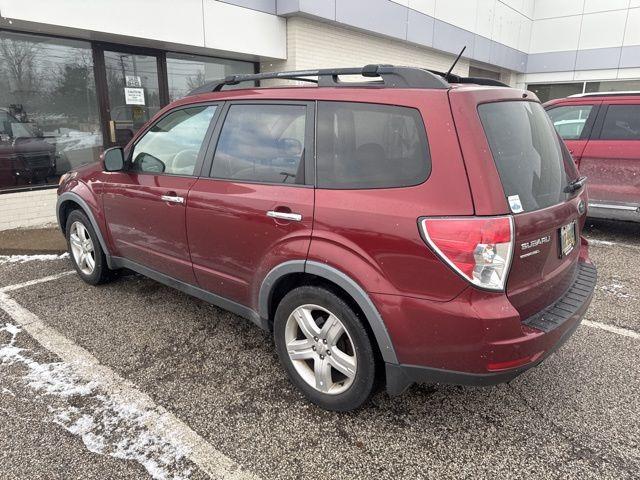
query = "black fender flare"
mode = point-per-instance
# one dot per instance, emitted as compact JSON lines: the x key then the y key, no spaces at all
{"x":340,"y":279}
{"x":74,"y":197}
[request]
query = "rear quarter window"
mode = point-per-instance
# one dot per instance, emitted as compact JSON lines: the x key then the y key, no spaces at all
{"x":622,"y":122}
{"x":361,"y":145}
{"x":530,"y":159}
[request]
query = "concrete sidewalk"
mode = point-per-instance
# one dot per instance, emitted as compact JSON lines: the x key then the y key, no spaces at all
{"x":30,"y":241}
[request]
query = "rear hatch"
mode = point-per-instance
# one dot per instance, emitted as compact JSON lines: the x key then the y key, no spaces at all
{"x":521,"y":167}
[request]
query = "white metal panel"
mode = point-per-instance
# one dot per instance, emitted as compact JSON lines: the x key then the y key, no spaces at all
{"x":555,"y":34}
{"x":232,"y":28}
{"x":485,"y":18}
{"x":555,"y":8}
{"x":427,"y":7}
{"x":592,"y":6}
{"x":507,"y":25}
{"x":610,"y":74}
{"x":463,"y":16}
{"x":601,"y":30}
{"x":118,"y":17}
{"x":632,"y":34}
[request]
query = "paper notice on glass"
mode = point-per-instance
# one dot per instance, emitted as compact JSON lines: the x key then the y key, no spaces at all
{"x":133,"y":81}
{"x":134,"y":96}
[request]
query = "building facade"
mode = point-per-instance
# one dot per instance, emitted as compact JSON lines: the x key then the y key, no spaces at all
{"x":77,"y":76}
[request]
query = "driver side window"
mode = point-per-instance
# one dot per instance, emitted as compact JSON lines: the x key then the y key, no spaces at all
{"x":172,"y":145}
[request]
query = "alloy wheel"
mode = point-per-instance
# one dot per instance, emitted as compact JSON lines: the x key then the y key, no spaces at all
{"x":82,"y":248}
{"x":321,"y":349}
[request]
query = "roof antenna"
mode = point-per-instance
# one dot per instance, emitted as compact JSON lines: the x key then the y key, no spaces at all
{"x":446,"y":75}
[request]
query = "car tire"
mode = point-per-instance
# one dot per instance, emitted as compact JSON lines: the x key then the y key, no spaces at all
{"x":334,"y":370}
{"x":85,"y":250}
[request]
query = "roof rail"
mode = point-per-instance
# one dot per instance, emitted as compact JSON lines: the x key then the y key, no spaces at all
{"x":453,"y":78}
{"x":387,"y":76}
{"x":605,"y":94}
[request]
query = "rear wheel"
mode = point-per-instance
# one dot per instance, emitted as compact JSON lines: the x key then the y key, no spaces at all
{"x":324,"y":348}
{"x":85,"y":250}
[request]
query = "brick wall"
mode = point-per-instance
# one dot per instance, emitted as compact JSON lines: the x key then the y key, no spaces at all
{"x":27,"y":209}
{"x":314,"y":44}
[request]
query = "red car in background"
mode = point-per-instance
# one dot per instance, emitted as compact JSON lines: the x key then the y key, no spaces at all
{"x":602,"y":131}
{"x":414,"y":227}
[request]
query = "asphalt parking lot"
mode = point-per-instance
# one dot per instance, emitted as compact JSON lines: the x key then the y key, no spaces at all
{"x":136,"y":380}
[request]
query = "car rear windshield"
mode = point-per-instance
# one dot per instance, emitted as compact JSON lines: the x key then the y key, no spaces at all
{"x":527,"y":152}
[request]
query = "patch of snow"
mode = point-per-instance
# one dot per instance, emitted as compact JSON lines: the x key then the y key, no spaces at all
{"x":30,"y":258}
{"x":616,"y":289}
{"x":106,"y":425}
{"x":6,"y":391}
{"x":601,"y":242}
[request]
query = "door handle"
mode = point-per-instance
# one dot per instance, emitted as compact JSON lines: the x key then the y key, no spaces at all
{"x":172,"y":199}
{"x":292,"y":217}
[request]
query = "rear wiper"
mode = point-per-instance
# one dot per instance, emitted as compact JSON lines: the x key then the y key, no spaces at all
{"x":576,"y":185}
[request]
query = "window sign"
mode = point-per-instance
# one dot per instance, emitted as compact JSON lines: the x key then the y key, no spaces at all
{"x":133,"y":81}
{"x":134,"y":96}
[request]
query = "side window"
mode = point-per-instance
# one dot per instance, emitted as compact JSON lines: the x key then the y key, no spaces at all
{"x":361,"y":145}
{"x":569,"y":121}
{"x":262,"y":143}
{"x":171,"y":146}
{"x":622,"y":122}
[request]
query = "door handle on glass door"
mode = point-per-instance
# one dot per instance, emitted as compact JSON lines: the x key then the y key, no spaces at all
{"x":172,"y":198}
{"x":292,"y":217}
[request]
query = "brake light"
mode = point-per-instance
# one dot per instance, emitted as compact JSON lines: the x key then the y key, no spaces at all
{"x":478,"y":248}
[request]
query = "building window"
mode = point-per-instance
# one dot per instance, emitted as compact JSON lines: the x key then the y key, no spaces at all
{"x":186,"y":72}
{"x":49,"y":120}
{"x":613,"y":86}
{"x":546,"y":92}
{"x":550,"y":91}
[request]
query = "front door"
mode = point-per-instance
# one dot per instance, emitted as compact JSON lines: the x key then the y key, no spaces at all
{"x":134,"y":92}
{"x":256,"y":209}
{"x":145,"y":204}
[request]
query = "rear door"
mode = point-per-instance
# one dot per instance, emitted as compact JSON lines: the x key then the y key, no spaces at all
{"x":611,"y":159}
{"x":535,"y":168}
{"x":145,"y":204}
{"x":254,"y":210}
{"x":574,"y":123}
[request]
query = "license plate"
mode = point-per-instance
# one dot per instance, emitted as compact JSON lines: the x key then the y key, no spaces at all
{"x":567,"y":238}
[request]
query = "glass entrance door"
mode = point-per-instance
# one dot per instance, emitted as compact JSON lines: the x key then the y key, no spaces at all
{"x":133,"y":93}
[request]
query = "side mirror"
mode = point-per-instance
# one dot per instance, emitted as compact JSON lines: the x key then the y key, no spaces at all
{"x":114,"y":159}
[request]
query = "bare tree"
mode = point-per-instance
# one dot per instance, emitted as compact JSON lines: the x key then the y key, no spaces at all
{"x":18,"y":58}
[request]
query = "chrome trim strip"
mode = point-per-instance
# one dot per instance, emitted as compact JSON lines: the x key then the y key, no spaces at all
{"x":609,"y":206}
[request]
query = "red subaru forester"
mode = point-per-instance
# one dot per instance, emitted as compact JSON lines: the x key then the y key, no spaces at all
{"x":408,"y":226}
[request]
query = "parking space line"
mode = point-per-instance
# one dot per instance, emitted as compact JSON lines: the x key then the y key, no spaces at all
{"x":606,"y":243}
{"x":159,"y":421}
{"x":625,"y":332}
{"x":50,"y":278}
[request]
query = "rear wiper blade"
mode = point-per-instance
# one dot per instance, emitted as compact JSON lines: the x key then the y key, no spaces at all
{"x":576,"y":185}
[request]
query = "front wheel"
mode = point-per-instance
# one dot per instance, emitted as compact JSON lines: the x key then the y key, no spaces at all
{"x":324,"y":348}
{"x":85,"y":250}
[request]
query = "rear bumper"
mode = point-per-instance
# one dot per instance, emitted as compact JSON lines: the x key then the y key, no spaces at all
{"x":502,"y":360}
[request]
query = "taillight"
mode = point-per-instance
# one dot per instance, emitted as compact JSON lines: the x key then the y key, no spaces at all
{"x":478,"y":248}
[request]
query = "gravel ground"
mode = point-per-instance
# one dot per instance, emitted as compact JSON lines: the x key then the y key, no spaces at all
{"x":575,"y":416}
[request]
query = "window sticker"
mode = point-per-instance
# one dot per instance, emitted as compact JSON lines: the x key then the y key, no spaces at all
{"x":134,"y":96}
{"x":515,"y":204}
